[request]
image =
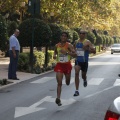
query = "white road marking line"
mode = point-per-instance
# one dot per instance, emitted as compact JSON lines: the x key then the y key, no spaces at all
{"x":21,"y":111}
{"x":43,"y":80}
{"x":117,"y":82}
{"x":92,"y":81}
{"x":104,"y":63}
{"x":95,"y":81}
{"x":99,"y":92}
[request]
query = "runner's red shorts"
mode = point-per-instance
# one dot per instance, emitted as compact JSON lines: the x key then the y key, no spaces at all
{"x":63,"y":68}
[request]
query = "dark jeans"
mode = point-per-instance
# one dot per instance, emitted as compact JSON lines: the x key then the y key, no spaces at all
{"x":13,"y":65}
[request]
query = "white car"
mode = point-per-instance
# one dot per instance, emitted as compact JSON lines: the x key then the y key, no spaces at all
{"x":115,"y":48}
{"x":113,"y":112}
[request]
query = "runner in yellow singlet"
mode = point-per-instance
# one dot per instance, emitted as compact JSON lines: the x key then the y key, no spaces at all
{"x":63,"y":52}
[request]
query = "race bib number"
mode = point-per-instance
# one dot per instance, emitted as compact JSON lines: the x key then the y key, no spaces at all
{"x":63,"y":58}
{"x":80,"y":52}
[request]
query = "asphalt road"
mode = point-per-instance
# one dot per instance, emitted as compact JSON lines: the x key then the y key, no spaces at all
{"x":34,"y":99}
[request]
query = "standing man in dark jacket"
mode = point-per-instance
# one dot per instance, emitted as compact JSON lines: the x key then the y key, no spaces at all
{"x":14,"y":48}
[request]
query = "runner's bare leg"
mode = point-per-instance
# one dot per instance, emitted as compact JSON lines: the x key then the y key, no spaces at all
{"x":59,"y":77}
{"x":77,"y":81}
{"x":68,"y":78}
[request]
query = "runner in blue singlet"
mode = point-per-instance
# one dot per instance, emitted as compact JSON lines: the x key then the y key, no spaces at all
{"x":83,"y":48}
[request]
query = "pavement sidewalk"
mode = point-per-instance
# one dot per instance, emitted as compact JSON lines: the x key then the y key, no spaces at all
{"x":4,"y":62}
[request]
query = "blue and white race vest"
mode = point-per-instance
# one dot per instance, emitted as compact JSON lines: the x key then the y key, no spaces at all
{"x":82,"y":55}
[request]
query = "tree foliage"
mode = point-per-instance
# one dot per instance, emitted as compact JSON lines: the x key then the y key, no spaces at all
{"x":75,"y":35}
{"x":3,"y":34}
{"x":91,"y":37}
{"x":10,"y":5}
{"x":11,"y":27}
{"x":87,"y":14}
{"x":56,"y":32}
{"x":42,"y":33}
{"x":76,"y":12}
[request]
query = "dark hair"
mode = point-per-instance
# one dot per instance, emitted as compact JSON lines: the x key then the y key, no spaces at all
{"x":65,"y":33}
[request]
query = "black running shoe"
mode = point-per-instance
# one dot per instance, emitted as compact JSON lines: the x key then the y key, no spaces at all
{"x":58,"y":102}
{"x":85,"y":83}
{"x":76,"y":93}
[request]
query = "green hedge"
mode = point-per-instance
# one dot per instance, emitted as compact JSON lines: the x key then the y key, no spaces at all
{"x":38,"y":62}
{"x":51,"y":61}
{"x":39,"y":58}
{"x":23,"y":62}
{"x":98,"y":48}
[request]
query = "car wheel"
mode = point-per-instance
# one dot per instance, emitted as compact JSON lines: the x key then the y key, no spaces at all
{"x":111,"y":53}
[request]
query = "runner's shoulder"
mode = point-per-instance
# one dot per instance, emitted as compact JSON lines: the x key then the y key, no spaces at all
{"x":69,"y":44}
{"x":76,"y":41}
{"x":88,"y":41}
{"x":57,"y":44}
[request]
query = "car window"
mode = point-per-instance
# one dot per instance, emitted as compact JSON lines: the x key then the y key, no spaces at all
{"x":116,"y":45}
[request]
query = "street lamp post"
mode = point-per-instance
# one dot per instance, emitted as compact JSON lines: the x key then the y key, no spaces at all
{"x":33,"y":9}
{"x":52,"y":16}
{"x":46,"y":48}
{"x":22,"y":6}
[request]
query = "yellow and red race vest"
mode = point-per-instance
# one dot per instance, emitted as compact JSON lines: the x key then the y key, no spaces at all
{"x":62,"y":57}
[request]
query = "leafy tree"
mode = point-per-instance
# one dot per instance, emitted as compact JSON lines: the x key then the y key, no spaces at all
{"x":42,"y":33}
{"x":65,"y":28}
{"x":95,"y":32}
{"x":105,"y":33}
{"x":97,"y":14}
{"x":107,"y":40}
{"x":116,"y":39}
{"x":111,"y":40}
{"x":56,"y":32}
{"x":3,"y":34}
{"x":70,"y":35}
{"x":99,"y":40}
{"x":77,"y":29}
{"x":10,"y":5}
{"x":91,"y":37}
{"x":104,"y":39}
{"x":77,"y":13}
{"x":75,"y":35}
{"x":11,"y":27}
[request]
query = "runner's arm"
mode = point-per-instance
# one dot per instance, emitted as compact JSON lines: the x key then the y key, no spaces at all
{"x":72,"y":51}
{"x":92,"y":49}
{"x":89,"y":47}
{"x":55,"y":52}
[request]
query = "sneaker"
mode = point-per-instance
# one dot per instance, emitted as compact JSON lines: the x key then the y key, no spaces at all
{"x":85,"y":83}
{"x":58,"y":102}
{"x":76,"y":93}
